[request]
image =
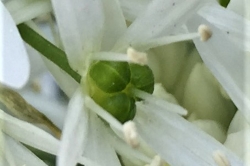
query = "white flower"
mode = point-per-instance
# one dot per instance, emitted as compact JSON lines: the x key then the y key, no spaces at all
{"x":100,"y":28}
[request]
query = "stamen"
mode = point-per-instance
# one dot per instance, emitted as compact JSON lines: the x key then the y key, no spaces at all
{"x":154,"y":101}
{"x":132,"y":56}
{"x":103,"y":114}
{"x":220,"y":158}
{"x":169,"y":39}
{"x":204,"y":32}
{"x":130,"y":134}
{"x":137,"y":57}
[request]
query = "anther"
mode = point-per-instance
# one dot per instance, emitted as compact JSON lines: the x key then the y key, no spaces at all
{"x":220,"y":158}
{"x":130,"y":134}
{"x":136,"y":56}
{"x":204,"y":32}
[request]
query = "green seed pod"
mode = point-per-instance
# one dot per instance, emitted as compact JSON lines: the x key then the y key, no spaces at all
{"x":121,"y":106}
{"x":142,"y":77}
{"x":110,"y":77}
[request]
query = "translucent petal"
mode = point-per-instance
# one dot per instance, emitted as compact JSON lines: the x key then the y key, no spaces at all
{"x":74,"y":131}
{"x":22,"y":156}
{"x":65,"y":81}
{"x":28,"y":134}
{"x":171,"y":136}
{"x":226,"y":62}
{"x":26,"y":10}
{"x":14,"y":61}
{"x":114,"y":25}
{"x":98,"y":147}
{"x":80,"y":25}
{"x":132,"y":8}
{"x":159,"y":19}
{"x":230,"y":23}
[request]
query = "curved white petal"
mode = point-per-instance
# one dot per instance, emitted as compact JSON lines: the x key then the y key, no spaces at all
{"x":14,"y":61}
{"x":226,"y":61}
{"x":28,"y":134}
{"x":98,"y":148}
{"x":21,"y":155}
{"x":81,"y":25}
{"x":172,"y":136}
{"x":160,"y":18}
{"x":74,"y":134}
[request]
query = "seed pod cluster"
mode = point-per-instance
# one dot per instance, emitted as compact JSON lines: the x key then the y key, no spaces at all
{"x":109,"y":85}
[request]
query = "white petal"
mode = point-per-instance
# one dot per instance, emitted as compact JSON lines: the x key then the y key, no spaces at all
{"x":132,"y":8}
{"x":81,"y":25}
{"x":74,"y":131}
{"x":26,"y":10}
{"x":28,"y":134}
{"x":98,"y":147}
{"x":159,"y":19}
{"x":230,"y":23}
{"x":115,"y":24}
{"x":14,"y":61}
{"x":226,"y":62}
{"x":172,"y":136}
{"x":22,"y":156}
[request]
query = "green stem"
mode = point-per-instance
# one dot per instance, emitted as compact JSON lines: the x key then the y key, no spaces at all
{"x":47,"y":49}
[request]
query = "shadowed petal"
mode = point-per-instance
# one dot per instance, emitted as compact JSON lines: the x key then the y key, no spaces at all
{"x":21,"y":155}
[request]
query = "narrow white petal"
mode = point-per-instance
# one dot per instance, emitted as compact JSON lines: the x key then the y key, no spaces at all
{"x":28,"y":134}
{"x":172,"y":136}
{"x":74,"y":134}
{"x":114,"y":26}
{"x":226,"y":61}
{"x":80,"y":25}
{"x":159,"y":19}
{"x":232,"y":25}
{"x":22,"y":156}
{"x":98,"y":147}
{"x":132,"y":8}
{"x":14,"y":61}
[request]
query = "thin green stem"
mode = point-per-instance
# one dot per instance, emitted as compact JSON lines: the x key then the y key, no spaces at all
{"x":47,"y":49}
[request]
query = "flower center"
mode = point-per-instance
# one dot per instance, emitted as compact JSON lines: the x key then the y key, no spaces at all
{"x":109,"y":84}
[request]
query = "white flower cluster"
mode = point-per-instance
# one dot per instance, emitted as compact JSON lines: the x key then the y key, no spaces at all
{"x":186,"y":124}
